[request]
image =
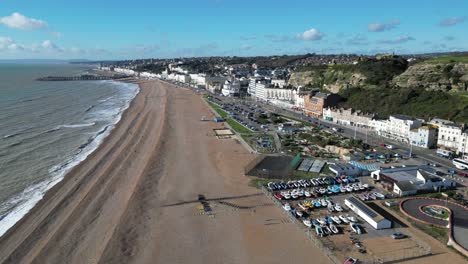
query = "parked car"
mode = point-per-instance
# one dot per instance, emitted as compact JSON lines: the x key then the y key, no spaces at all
{"x":463,"y":174}
{"x":390,"y":147}
{"x":350,"y":261}
{"x":398,"y":235}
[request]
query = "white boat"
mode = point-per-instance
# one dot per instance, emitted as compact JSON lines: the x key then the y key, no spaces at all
{"x":307,"y":222}
{"x":349,"y":188}
{"x":322,"y":190}
{"x":379,"y":195}
{"x":338,"y":208}
{"x":342,"y":189}
{"x":294,"y":195}
{"x":321,"y":221}
{"x":344,"y":219}
{"x":336,"y":219}
{"x":287,"y":207}
{"x":333,"y":228}
{"x":323,"y":202}
{"x":299,"y":213}
{"x":307,"y":194}
{"x":300,"y":193}
{"x":365,"y":185}
{"x":351,"y":218}
{"x":361,"y":187}
{"x":326,"y":229}
{"x":355,"y":228}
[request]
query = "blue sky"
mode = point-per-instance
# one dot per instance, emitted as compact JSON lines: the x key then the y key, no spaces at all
{"x":102,"y":29}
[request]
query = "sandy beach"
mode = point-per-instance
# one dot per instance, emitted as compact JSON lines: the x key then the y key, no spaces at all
{"x":135,"y":199}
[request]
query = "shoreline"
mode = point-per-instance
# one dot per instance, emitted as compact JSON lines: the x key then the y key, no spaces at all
{"x":55,"y":179}
{"x":65,"y":179}
{"x":143,"y":183}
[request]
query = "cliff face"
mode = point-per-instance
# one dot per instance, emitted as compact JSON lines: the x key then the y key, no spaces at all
{"x":434,"y":76}
{"x":370,"y":73}
{"x":330,"y":79}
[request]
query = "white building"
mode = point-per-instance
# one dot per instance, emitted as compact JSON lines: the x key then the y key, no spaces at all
{"x":411,"y":179}
{"x":198,"y":80}
{"x":424,"y":137}
{"x":345,"y":169}
{"x":231,"y":88}
{"x":379,"y":125}
{"x":298,"y":96}
{"x":214,"y":84}
{"x":375,"y":219}
{"x":399,"y":126}
{"x":274,"y":93}
{"x":126,"y":71}
{"x":278,"y":83}
{"x":148,"y":75}
{"x":260,"y":91}
{"x":453,"y":137}
{"x":348,"y":117}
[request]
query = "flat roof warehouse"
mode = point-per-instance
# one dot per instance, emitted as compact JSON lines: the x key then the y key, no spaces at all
{"x":375,"y":219}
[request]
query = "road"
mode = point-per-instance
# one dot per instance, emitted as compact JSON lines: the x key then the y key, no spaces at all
{"x":459,"y":216}
{"x":366,"y":135}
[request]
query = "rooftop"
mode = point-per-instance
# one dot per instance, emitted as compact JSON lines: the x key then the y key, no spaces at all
{"x":403,"y":117}
{"x":405,"y":186}
{"x":365,"y":209}
{"x":405,"y":173}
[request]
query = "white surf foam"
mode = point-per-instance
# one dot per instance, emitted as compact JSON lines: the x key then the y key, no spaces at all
{"x":22,"y":203}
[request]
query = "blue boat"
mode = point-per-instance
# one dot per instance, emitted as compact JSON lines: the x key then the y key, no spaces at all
{"x":319,"y":230}
{"x":328,"y":219}
{"x":335,"y":189}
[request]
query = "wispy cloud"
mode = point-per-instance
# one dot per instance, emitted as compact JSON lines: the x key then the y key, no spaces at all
{"x":358,"y":40}
{"x":56,"y":34}
{"x":379,"y":27}
{"x":246,"y":47}
{"x":449,"y":38}
{"x":311,"y":35}
{"x":398,"y":40}
{"x":50,"y":46}
{"x":18,"y":21}
{"x":249,"y":37}
{"x":278,"y":38}
{"x":451,"y":21}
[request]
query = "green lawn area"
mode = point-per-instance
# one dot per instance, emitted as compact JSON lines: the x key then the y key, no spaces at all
{"x":434,"y":210}
{"x":236,"y":126}
{"x":218,"y":109}
{"x":239,"y":128}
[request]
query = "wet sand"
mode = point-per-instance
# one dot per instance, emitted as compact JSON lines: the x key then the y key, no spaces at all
{"x":135,"y":199}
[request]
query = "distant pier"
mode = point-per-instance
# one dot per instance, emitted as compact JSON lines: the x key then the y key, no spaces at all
{"x":81,"y":78}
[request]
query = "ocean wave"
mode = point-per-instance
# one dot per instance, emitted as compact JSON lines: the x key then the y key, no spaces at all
{"x":12,"y":135}
{"x":77,"y":125}
{"x":19,"y":205}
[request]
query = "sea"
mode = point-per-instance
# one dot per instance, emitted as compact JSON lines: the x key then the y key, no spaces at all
{"x":47,"y":128}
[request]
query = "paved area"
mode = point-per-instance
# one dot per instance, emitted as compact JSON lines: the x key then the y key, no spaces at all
{"x":460,"y":217}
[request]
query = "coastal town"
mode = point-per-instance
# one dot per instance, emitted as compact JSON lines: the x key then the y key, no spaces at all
{"x":339,"y":173}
